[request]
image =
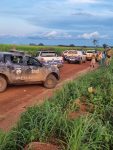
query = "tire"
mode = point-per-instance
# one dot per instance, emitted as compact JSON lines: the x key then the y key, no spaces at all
{"x":50,"y":81}
{"x":3,"y":84}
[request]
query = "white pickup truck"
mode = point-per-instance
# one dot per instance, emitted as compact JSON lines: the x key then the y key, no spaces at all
{"x":50,"y":58}
{"x":89,"y":54}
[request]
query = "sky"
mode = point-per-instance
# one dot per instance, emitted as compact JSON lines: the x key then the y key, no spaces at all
{"x":54,"y":22}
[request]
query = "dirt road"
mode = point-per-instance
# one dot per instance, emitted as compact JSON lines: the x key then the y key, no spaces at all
{"x":17,"y":98}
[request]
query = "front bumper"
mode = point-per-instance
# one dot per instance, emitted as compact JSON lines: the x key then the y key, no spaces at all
{"x":75,"y":59}
{"x":57,"y":64}
{"x":89,"y":58}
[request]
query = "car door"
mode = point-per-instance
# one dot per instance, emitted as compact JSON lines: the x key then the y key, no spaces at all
{"x":14,"y":65}
{"x":34,"y":71}
{"x":84,"y":56}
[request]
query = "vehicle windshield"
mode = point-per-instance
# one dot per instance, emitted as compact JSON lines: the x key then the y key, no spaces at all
{"x":72,"y":52}
{"x":90,"y":51}
{"x":65,"y":51}
{"x":48,"y":54}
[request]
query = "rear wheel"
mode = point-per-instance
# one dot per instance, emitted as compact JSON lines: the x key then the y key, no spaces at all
{"x":3,"y":84}
{"x":50,"y":82}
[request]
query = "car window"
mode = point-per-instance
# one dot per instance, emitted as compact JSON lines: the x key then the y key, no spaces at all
{"x":33,"y":62}
{"x":83,"y":52}
{"x":65,"y":51}
{"x":72,"y":52}
{"x":48,"y":54}
{"x":16,"y":59}
{"x":90,"y":51}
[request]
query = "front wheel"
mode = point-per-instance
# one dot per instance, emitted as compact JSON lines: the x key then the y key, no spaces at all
{"x":50,"y":82}
{"x":3,"y":84}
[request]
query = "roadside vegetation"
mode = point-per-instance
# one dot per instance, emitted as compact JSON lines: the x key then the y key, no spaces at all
{"x":90,"y":96}
{"x":33,"y":49}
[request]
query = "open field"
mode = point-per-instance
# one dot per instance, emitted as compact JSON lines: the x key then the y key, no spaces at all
{"x":77,"y":117}
{"x":33,"y":49}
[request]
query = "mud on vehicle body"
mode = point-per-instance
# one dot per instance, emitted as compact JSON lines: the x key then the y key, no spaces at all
{"x":17,"y":68}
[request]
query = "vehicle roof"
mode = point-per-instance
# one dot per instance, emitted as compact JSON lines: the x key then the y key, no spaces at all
{"x":13,"y":53}
{"x":91,"y":50}
{"x":74,"y":50}
{"x":47,"y":51}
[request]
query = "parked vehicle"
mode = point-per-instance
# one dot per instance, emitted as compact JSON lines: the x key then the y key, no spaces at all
{"x":64,"y":54}
{"x":50,"y":58}
{"x":75,"y":56}
{"x":89,"y":54}
{"x":18,"y":68}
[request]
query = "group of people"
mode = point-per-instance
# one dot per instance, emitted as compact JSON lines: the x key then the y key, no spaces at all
{"x":102,"y":57}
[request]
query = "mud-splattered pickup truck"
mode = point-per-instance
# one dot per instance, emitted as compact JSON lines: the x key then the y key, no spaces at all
{"x":18,"y":68}
{"x":50,"y":58}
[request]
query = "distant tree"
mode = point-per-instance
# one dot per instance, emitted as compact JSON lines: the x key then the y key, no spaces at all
{"x":40,"y":44}
{"x":95,"y":41}
{"x":84,"y":46}
{"x":105,"y":46}
{"x":61,"y":45}
{"x":72,"y":45}
{"x":32,"y":44}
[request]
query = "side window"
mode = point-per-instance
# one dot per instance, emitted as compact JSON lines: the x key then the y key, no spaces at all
{"x":17,"y":59}
{"x":33,"y":62}
{"x":7,"y":59}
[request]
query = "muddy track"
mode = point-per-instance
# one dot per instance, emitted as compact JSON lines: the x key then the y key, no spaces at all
{"x":16,"y":98}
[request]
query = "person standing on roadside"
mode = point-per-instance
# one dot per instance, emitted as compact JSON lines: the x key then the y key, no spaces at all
{"x":99,"y":58}
{"x":103,"y":58}
{"x":93,"y":61}
{"x":109,"y":54}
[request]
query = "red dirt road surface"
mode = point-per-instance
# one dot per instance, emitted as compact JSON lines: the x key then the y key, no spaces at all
{"x":16,"y":98}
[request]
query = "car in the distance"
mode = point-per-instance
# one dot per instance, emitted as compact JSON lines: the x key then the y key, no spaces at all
{"x":50,"y":58}
{"x":75,"y":56}
{"x":18,"y":68}
{"x":89,"y":54}
{"x":64,"y":54}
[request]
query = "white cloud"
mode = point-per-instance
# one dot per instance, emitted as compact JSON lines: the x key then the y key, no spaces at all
{"x":89,"y":35}
{"x":51,"y":34}
{"x":93,"y":35}
{"x":56,"y":35}
{"x":82,"y":1}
